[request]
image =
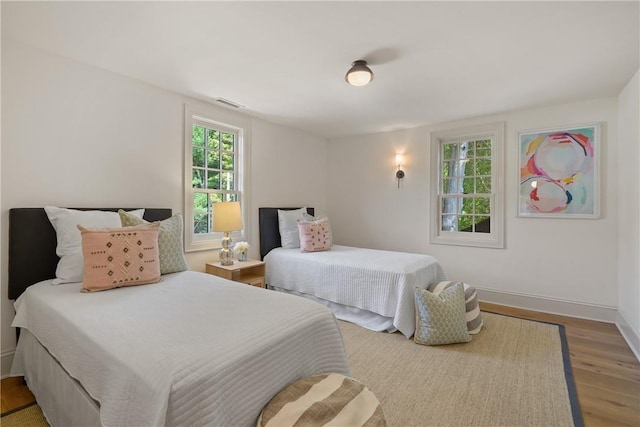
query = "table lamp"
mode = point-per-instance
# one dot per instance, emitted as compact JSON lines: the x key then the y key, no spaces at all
{"x":227,"y":217}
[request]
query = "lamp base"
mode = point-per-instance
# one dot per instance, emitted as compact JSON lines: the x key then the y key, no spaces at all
{"x":226,"y":253}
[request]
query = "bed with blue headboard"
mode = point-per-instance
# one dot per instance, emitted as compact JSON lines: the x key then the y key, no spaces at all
{"x":370,"y":287}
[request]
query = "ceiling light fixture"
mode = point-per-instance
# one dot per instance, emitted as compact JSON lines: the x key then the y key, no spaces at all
{"x":359,"y":74}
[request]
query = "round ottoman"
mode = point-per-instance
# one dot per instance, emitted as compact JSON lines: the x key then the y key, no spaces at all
{"x":323,"y":400}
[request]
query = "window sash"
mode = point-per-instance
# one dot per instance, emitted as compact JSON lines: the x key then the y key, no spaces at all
{"x":207,"y":215}
{"x":473,"y":215}
{"x":230,"y":193}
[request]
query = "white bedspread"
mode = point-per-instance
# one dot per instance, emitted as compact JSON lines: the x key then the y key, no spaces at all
{"x":378,"y":281}
{"x":192,"y":350}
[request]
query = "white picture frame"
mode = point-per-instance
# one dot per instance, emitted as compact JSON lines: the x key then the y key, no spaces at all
{"x":559,"y":172}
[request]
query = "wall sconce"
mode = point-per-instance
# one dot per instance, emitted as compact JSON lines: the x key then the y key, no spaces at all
{"x":399,"y":172}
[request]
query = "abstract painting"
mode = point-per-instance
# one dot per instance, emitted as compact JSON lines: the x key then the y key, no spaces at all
{"x":559,"y":172}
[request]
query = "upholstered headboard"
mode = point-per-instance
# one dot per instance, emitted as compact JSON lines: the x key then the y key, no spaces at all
{"x":32,"y":245}
{"x":270,"y":230}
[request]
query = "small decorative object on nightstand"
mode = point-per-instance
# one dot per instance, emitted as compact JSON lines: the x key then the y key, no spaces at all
{"x":241,"y":249}
{"x":250,"y":272}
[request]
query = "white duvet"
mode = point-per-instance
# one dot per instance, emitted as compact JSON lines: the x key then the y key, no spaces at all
{"x":374,"y":280}
{"x":192,"y":350}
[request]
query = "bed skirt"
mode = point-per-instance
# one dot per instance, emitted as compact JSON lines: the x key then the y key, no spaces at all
{"x":366,"y":319}
{"x":63,"y":401}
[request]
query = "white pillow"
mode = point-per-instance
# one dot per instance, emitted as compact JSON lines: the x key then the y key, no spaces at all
{"x":288,"y":224}
{"x":69,"y":249}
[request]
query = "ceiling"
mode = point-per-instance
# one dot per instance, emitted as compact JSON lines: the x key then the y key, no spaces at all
{"x":286,"y":61}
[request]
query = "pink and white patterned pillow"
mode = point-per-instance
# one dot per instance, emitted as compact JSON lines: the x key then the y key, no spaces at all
{"x":116,"y":257}
{"x":314,"y":235}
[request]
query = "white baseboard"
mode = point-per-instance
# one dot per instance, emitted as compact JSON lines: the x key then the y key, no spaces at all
{"x":629,"y":334}
{"x":559,"y":306}
{"x":6,"y":359}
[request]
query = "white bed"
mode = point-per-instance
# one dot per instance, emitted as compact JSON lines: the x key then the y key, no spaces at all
{"x":192,"y":350}
{"x":369,"y":287}
{"x":372,"y":288}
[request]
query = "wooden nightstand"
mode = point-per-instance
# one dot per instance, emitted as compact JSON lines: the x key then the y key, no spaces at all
{"x":250,"y":272}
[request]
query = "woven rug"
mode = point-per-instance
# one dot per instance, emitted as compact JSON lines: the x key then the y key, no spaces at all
{"x":514,"y":373}
{"x":26,"y":416}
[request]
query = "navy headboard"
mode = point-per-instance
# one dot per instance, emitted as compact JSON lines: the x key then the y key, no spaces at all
{"x":270,"y":230}
{"x":32,"y":245}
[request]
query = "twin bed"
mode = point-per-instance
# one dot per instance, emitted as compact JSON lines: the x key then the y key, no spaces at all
{"x":371,"y":288}
{"x":192,"y":350}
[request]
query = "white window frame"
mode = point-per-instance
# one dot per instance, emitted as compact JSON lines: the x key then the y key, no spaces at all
{"x":223,"y":120}
{"x":494,"y":239}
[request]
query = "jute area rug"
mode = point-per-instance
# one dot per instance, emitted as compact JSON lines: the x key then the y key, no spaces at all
{"x":511,"y":374}
{"x":29,"y":416}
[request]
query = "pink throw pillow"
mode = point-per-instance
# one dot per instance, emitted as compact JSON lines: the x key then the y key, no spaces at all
{"x":314,"y":235}
{"x":115,"y":257}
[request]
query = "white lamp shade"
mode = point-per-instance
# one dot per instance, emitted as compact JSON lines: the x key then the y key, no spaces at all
{"x":227,"y":216}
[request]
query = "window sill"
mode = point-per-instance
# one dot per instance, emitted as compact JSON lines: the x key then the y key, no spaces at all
{"x":464,"y":239}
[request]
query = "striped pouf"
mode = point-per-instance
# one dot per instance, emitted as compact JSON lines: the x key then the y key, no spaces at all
{"x":323,"y":400}
{"x":473,"y":315}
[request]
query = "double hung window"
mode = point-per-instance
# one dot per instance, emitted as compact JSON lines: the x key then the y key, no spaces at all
{"x":467,"y":186}
{"x":214,"y":166}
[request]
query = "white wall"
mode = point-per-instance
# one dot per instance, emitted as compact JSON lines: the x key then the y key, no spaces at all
{"x":75,"y":135}
{"x":629,"y":214}
{"x":548,"y":264}
{"x":291,"y":169}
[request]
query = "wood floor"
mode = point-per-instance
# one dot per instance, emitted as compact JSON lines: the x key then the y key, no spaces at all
{"x":606,"y":372}
{"x":14,"y":394}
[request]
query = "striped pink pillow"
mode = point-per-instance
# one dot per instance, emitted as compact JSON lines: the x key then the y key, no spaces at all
{"x":314,"y":235}
{"x":116,"y":257}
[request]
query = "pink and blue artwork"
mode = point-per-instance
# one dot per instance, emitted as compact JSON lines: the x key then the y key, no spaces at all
{"x":559,"y":172}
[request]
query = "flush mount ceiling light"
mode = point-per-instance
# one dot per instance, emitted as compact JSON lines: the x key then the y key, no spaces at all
{"x":359,"y":74}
